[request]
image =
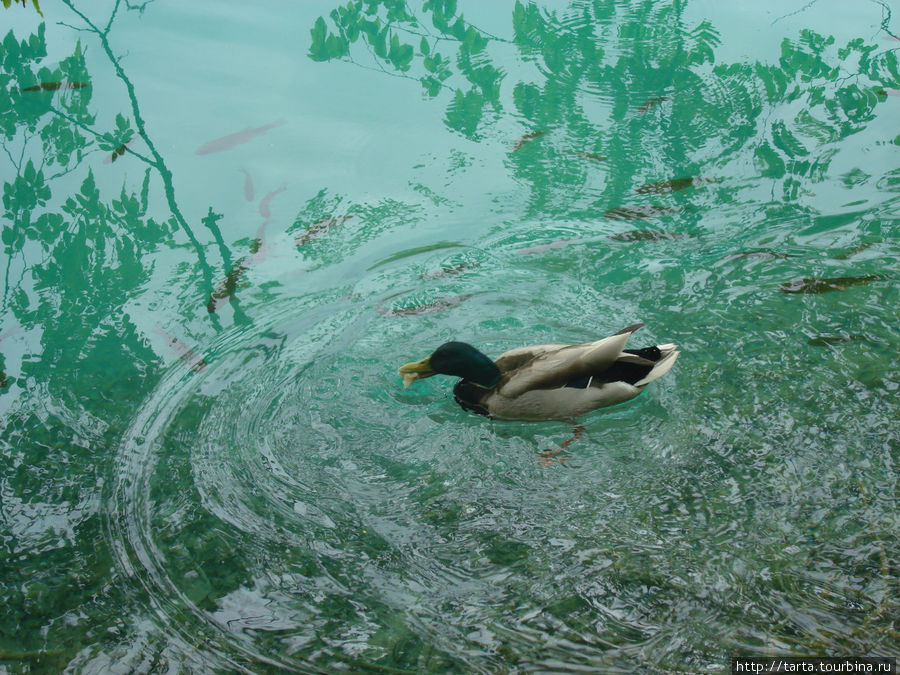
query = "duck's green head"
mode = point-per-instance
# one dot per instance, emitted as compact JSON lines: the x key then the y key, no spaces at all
{"x":453,"y":358}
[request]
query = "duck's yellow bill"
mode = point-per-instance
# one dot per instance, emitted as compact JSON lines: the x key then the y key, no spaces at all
{"x":416,"y":370}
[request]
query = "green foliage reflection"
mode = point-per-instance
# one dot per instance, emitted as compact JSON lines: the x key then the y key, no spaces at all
{"x":396,"y":38}
{"x":73,"y":258}
{"x":665,"y":103}
{"x":89,"y":251}
{"x":34,"y":3}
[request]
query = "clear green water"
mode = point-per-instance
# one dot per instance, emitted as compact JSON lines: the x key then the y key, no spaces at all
{"x":251,"y":488}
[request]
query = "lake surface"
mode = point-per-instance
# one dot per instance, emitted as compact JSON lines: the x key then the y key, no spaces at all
{"x":225,"y":225}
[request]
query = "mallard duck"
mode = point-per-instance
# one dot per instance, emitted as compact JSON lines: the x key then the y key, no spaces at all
{"x":546,"y":382}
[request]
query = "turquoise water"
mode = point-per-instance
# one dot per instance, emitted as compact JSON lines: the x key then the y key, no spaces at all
{"x":208,"y":460}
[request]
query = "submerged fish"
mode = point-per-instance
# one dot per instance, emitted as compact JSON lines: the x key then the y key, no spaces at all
{"x":543,"y":248}
{"x":825,"y":340}
{"x":3,"y":381}
{"x":15,"y":330}
{"x":857,"y":249}
{"x":54,"y":86}
{"x":231,"y":140}
{"x":118,"y":152}
{"x":264,"y":202}
{"x":248,"y":186}
{"x":673,"y":185}
{"x":591,"y":155}
{"x":257,"y":247}
{"x":527,"y":137}
{"x":824,"y":285}
{"x":451,"y":271}
{"x":434,"y":307}
{"x":318,"y":228}
{"x":184,"y":353}
{"x":637,"y":212}
{"x":226,"y":288}
{"x":644,"y":235}
{"x":765,"y":253}
{"x":650,"y":103}
{"x":413,"y":251}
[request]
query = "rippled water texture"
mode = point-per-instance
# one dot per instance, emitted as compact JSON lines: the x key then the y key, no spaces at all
{"x":226,"y":224}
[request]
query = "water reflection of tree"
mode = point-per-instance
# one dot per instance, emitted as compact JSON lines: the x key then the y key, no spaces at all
{"x":396,"y":41}
{"x":67,"y":132}
{"x":627,"y":80}
{"x":73,"y":259}
{"x":34,"y":3}
{"x":631,"y":82}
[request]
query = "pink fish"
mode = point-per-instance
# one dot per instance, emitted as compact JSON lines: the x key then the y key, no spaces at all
{"x":231,"y":140}
{"x":257,"y":247}
{"x":248,"y":186}
{"x":264,"y":202}
{"x":893,"y":92}
{"x":185,"y":354}
{"x":4,"y":382}
{"x":543,"y":248}
{"x":15,"y":330}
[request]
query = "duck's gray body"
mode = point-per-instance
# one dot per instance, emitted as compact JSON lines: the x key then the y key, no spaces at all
{"x":553,"y":381}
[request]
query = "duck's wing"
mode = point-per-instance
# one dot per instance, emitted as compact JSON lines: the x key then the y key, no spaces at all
{"x":553,"y":368}
{"x":662,"y":366}
{"x":518,"y":357}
